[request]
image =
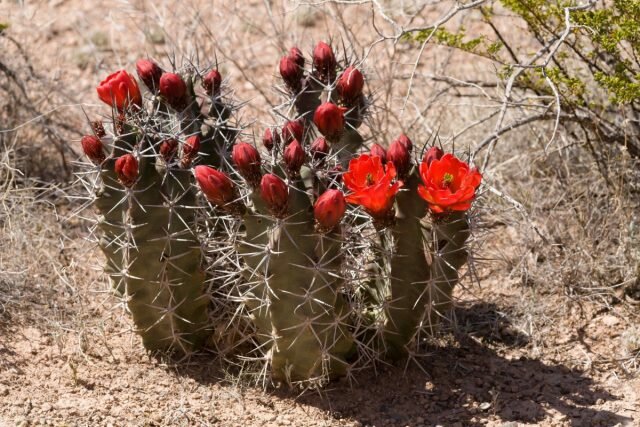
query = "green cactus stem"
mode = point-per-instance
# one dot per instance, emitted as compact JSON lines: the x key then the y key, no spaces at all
{"x":297,"y":305}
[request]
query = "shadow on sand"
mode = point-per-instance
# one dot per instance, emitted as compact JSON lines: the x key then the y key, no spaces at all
{"x":469,"y":384}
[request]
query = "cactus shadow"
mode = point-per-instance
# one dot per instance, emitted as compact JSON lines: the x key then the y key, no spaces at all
{"x":468,"y":383}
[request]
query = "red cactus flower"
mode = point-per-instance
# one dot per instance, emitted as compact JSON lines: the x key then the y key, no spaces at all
{"x":275,"y":193}
{"x":404,"y":140}
{"x":150,"y":73}
{"x":211,"y":82}
{"x":372,"y":184}
{"x":126,"y":168}
{"x":215,"y":185}
{"x":293,"y":129}
{"x":174,"y":90}
{"x":247,"y":160}
{"x":400,"y":156}
{"x":92,"y":147}
{"x":329,"y":118}
{"x":120,"y":90}
{"x":449,"y":184}
{"x":350,"y":84}
{"x":433,"y":153}
{"x":168,"y":149}
{"x":270,"y":139}
{"x":319,"y":149}
{"x":378,"y":150}
{"x":324,"y":61}
{"x":293,"y":157}
{"x":329,"y":209}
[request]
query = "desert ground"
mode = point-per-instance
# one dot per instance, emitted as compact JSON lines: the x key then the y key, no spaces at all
{"x":542,"y":332}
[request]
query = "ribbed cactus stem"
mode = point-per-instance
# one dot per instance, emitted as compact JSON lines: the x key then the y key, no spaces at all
{"x":450,"y":254}
{"x":153,"y":254}
{"x":298,"y":308}
{"x":409,"y":271}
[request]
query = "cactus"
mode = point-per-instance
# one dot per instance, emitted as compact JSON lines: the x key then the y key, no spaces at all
{"x":268,"y":257}
{"x":149,"y":208}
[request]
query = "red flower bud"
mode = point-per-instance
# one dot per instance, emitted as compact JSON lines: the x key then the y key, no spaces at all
{"x":247,"y":160}
{"x":329,"y":209}
{"x":168,"y":149}
{"x":291,"y":73}
{"x":150,"y":73}
{"x":120,"y":90}
{"x":297,"y":56}
{"x":275,"y":193}
{"x":350,"y":84}
{"x":174,"y":90}
{"x":211,"y":82}
{"x":92,"y":147}
{"x":126,"y":168}
{"x":404,"y":140}
{"x":379,"y":151}
{"x":329,"y":118}
{"x":293,"y":129}
{"x":320,"y":149}
{"x":191,"y":146}
{"x":324,"y":61}
{"x":270,"y":139}
{"x":433,"y":153}
{"x":216,"y":186}
{"x":400,"y":156}
{"x":294,"y":157}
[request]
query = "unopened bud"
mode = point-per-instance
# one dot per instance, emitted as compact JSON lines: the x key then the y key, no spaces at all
{"x":379,"y":151}
{"x":324,"y":62}
{"x":350,"y":84}
{"x":404,"y":140}
{"x":400,"y":156}
{"x":174,"y":90}
{"x":433,"y":153}
{"x":329,"y":118}
{"x":190,"y":150}
{"x":150,"y":73}
{"x":319,"y":149}
{"x":168,"y":149}
{"x":211,"y":82}
{"x":270,"y":139}
{"x":275,"y":194}
{"x":329,"y":209}
{"x":247,"y":160}
{"x":291,"y":73}
{"x":92,"y":147}
{"x":293,"y":129}
{"x":215,"y":185}
{"x":294,"y":157}
{"x":126,"y":168}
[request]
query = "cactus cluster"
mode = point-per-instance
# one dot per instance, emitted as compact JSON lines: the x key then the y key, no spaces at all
{"x":311,"y":250}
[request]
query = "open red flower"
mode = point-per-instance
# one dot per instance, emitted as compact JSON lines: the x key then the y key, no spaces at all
{"x":449,"y":184}
{"x":119,"y":90}
{"x":372,"y":184}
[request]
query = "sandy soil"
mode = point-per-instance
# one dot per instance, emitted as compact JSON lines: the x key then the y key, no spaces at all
{"x":515,"y":355}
